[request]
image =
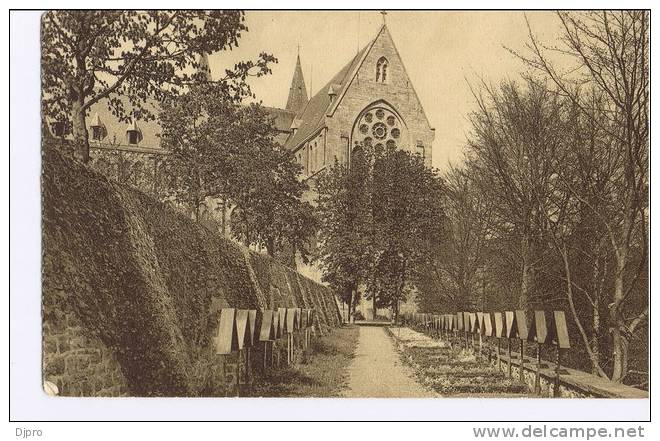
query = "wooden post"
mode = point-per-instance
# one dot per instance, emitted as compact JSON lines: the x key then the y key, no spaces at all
{"x":248,"y":377}
{"x":522,"y":360}
{"x":288,"y":350}
{"x":499,"y":358}
{"x":265,"y":355}
{"x":508,"y":350}
{"x":557,"y":366}
{"x":537,"y":380}
{"x":238,"y":373}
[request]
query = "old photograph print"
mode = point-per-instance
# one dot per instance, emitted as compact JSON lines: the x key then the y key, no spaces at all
{"x":402,"y":204}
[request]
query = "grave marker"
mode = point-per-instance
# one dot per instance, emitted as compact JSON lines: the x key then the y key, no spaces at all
{"x":226,"y":340}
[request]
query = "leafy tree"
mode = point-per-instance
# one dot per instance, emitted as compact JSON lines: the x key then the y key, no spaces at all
{"x":407,"y":204}
{"x":221,"y":150}
{"x":88,"y":56}
{"x":267,"y":192}
{"x":343,"y":208}
{"x":202,"y":132}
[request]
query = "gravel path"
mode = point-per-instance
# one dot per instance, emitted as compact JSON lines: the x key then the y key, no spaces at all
{"x":377,"y":371}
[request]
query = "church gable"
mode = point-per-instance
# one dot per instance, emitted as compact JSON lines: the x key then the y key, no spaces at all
{"x":379,"y":103}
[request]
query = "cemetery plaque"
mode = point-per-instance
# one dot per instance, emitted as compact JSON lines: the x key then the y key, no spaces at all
{"x":561,"y":330}
{"x":290,"y":320}
{"x":480,"y":322}
{"x":267,"y":328}
{"x":510,"y":319}
{"x":226,"y":340}
{"x":521,"y":322}
{"x":282,"y":321}
{"x":254,"y":319}
{"x":499,"y":324}
{"x":276,"y":324}
{"x":488,"y":325}
{"x":311,"y":321}
{"x":459,"y":321}
{"x":467,"y":321}
{"x":538,"y":330}
{"x":241,"y":322}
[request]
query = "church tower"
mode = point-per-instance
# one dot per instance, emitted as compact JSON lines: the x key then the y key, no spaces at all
{"x":297,"y":92}
{"x":203,"y":68}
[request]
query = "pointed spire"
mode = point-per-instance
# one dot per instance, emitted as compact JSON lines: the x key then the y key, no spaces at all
{"x":203,"y":66}
{"x":298,"y":92}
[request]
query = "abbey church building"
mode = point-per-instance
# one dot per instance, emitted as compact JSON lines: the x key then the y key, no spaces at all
{"x":370,"y":101}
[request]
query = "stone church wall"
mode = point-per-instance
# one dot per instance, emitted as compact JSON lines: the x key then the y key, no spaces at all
{"x":364,"y":90}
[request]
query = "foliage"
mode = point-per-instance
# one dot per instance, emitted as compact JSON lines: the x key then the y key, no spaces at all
{"x":88,"y":56}
{"x":345,"y":226}
{"x":380,"y":219}
{"x":218,"y":149}
{"x":408,"y":223}
{"x":146,"y":280}
{"x":268,"y":191}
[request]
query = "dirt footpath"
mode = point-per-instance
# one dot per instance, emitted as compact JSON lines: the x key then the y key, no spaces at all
{"x":377,"y":371}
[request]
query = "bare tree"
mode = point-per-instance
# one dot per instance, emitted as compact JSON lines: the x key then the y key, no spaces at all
{"x":610,"y":51}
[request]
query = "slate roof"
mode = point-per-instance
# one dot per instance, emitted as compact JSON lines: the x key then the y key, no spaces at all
{"x":297,"y":92}
{"x":282,"y":120}
{"x":151,"y":130}
{"x":313,"y":113}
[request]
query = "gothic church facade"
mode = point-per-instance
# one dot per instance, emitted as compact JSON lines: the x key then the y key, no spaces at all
{"x":370,"y":101}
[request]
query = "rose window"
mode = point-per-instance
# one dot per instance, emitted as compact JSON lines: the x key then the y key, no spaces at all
{"x":378,"y":127}
{"x":379,"y":131}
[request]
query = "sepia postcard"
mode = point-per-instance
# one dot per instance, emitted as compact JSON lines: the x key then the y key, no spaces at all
{"x":348,"y":204}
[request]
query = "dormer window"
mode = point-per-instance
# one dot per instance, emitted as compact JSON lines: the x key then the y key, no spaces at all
{"x":381,"y":70}
{"x":133,"y":134}
{"x":420,"y":149}
{"x":60,"y":128}
{"x":98,"y":128}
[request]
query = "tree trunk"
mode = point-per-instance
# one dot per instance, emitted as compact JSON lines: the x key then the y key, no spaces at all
{"x":527,"y":274}
{"x":595,"y":336}
{"x":374,"y":303}
{"x":619,"y":340}
{"x":224,"y":217}
{"x":270,"y":247}
{"x":350,"y":306}
{"x":80,"y":134}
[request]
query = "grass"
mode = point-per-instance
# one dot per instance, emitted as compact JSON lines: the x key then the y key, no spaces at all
{"x":324,"y":374}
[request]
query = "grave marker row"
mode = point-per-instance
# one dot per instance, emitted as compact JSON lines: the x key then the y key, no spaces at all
{"x":242,"y":329}
{"x":541,"y":327}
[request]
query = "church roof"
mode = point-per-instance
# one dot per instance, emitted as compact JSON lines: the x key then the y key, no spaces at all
{"x":312,"y":115}
{"x":282,"y":120}
{"x":297,"y":92}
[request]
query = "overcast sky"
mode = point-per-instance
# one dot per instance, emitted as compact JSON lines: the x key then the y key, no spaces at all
{"x":442,"y":51}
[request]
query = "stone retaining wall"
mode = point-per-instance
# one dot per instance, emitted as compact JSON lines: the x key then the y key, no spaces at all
{"x":132,"y":290}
